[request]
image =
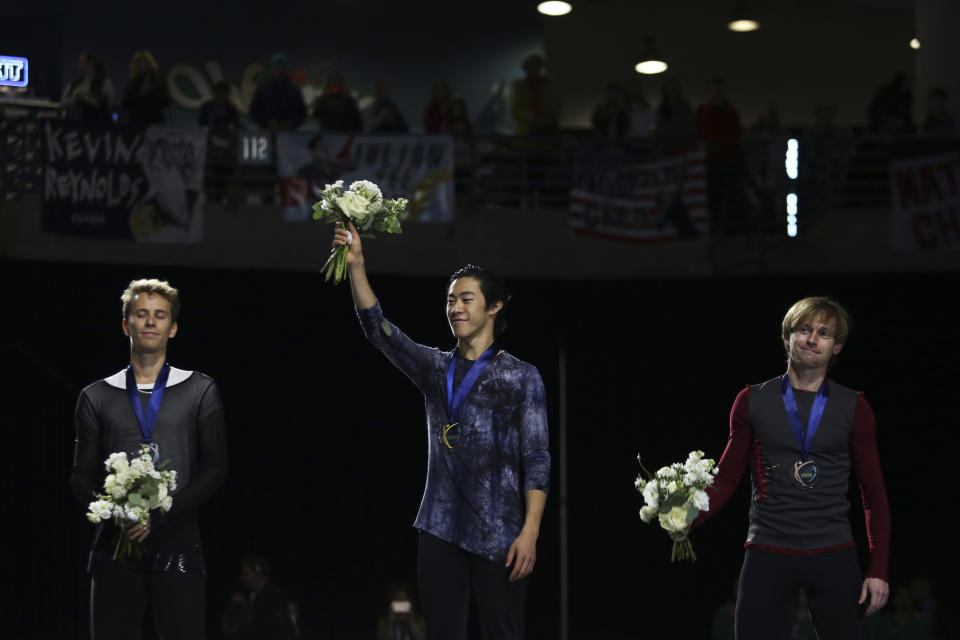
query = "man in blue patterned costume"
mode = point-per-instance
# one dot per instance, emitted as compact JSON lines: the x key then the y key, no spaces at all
{"x":488,"y":461}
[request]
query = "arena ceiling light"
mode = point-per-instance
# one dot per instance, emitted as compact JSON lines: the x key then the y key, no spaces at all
{"x":554,"y":8}
{"x":652,"y":62}
{"x":914,"y":44}
{"x":744,"y":19}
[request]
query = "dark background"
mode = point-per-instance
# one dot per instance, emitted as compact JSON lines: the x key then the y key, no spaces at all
{"x":327,"y":438}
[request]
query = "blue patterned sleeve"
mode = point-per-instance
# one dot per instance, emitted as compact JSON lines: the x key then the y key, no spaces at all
{"x":413,"y":359}
{"x":534,"y":439}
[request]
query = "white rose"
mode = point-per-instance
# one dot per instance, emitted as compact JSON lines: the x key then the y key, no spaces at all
{"x":354,"y":206}
{"x":647,"y":513}
{"x":674,"y":520}
{"x":367,"y":188}
{"x":117,"y":461}
{"x":166,"y":503}
{"x":701,"y":500}
{"x":651,"y":494}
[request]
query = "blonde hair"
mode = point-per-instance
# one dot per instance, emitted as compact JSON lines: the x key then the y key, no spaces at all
{"x":817,"y":308}
{"x":147,"y":57}
{"x":151,"y":285}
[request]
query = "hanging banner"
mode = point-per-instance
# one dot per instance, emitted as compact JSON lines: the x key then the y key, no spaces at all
{"x":628,"y":195}
{"x":925,"y":193}
{"x":123,"y":182}
{"x":419,"y":168}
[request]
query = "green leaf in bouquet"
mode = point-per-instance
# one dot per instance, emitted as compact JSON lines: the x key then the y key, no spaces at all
{"x":692,"y":513}
{"x":675,"y":500}
{"x":134,"y":500}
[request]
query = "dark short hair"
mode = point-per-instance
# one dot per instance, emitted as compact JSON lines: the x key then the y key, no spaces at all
{"x":494,"y":290}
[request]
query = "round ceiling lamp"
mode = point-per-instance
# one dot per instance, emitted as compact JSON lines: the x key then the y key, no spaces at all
{"x":914,"y":44}
{"x":744,"y":18}
{"x":554,"y":8}
{"x":743,"y":25}
{"x":652,"y":62}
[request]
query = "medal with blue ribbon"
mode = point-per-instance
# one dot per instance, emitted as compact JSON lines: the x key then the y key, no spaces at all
{"x":148,"y":421}
{"x":453,"y":430}
{"x":805,"y":471}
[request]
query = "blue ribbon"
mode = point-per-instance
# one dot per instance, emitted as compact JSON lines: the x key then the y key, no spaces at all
{"x":804,"y":438}
{"x":455,"y":400}
{"x":149,"y":421}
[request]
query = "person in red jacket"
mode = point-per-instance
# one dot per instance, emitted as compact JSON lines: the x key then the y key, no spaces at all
{"x":802,"y":435}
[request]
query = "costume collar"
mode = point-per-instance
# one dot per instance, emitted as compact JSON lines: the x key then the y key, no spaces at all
{"x":119,"y":379}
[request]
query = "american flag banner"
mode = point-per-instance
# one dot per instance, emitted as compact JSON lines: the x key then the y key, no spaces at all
{"x":635,"y":197}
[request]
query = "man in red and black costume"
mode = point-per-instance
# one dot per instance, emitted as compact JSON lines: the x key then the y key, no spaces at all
{"x":802,"y":435}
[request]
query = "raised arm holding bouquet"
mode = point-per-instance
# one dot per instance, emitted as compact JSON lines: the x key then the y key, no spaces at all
{"x":361,"y":205}
{"x":489,"y":462}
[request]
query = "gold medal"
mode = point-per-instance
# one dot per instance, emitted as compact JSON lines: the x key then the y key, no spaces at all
{"x":451,"y":434}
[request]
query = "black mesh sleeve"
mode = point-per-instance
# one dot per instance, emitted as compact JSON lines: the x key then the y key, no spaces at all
{"x":87,"y":459}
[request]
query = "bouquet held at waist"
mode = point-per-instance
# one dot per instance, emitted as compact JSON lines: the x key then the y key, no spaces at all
{"x":132,"y":489}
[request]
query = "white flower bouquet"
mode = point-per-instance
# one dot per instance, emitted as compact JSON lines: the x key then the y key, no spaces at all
{"x":132,"y":489}
{"x":676,"y":496}
{"x":364,"y":206}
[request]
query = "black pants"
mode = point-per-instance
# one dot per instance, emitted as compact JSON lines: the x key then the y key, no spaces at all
{"x":769,"y":586}
{"x":447,"y":576}
{"x":119,"y":597}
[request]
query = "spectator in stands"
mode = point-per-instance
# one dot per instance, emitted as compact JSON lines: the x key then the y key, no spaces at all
{"x":145,"y":96}
{"x":222,"y":120}
{"x":891,"y":108}
{"x":676,"y":125}
{"x":321,"y":170}
{"x":435,"y":113}
{"x":764,"y":147}
{"x":491,"y":115}
{"x":823,"y":156}
{"x":900,"y":621}
{"x":385,"y":115}
{"x":533,"y":101}
{"x":402,"y":621}
{"x":642,"y":117}
{"x":269,"y":610}
{"x":219,"y":113}
{"x":718,"y":128}
{"x":90,"y":95}
{"x":610,"y":118}
{"x":939,"y":120}
{"x":277,"y":104}
{"x":718,"y":123}
{"x":336,"y":109}
{"x":458,"y":122}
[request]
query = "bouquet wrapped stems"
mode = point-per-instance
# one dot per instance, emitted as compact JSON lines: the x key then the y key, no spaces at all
{"x":336,"y":265}
{"x":363,"y":205}
{"x":682,"y":550}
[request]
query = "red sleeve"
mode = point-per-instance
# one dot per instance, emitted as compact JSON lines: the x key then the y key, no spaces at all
{"x":866,"y":466}
{"x":735,"y":458}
